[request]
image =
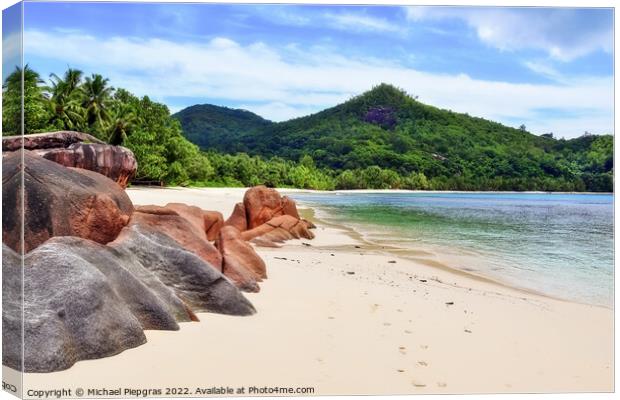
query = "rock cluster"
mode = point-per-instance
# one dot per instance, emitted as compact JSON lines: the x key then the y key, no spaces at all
{"x":266,"y":218}
{"x":98,"y":271}
{"x":78,"y":150}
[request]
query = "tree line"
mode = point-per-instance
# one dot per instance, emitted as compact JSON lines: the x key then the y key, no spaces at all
{"x":355,"y":146}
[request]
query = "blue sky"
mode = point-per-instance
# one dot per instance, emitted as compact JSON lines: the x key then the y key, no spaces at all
{"x":548,"y":68}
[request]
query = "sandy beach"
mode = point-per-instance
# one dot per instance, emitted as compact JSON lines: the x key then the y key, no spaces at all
{"x":342,"y":316}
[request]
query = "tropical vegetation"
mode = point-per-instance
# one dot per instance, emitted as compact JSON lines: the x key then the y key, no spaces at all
{"x":380,"y":139}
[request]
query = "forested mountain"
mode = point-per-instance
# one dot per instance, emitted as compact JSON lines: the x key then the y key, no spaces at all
{"x":385,"y":138}
{"x":211,"y":126}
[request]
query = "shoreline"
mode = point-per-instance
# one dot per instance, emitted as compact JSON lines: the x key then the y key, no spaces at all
{"x":407,"y":253}
{"x":347,"y":318}
{"x":373,"y":191}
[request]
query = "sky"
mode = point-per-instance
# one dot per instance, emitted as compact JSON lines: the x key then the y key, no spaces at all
{"x":548,"y":68}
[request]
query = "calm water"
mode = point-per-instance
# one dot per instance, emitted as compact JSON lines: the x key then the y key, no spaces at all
{"x":558,"y":244}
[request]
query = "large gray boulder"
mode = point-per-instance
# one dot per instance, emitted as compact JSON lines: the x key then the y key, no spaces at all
{"x":83,"y":300}
{"x":11,"y":308}
{"x":71,"y":312}
{"x":149,"y":300}
{"x":197,"y":283}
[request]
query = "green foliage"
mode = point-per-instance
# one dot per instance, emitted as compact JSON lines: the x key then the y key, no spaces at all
{"x":243,"y":170}
{"x":91,"y":105}
{"x":65,"y":101}
{"x":424,"y":147}
{"x":381,"y":139}
{"x":96,"y":99}
{"x":36,"y":113}
{"x":210,"y":126}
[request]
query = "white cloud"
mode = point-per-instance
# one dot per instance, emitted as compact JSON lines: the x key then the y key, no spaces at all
{"x":12,"y":46}
{"x":564,"y":33}
{"x":280,"y":83}
{"x":543,"y":68}
{"x":284,"y":16}
{"x":359,"y":22}
{"x":342,"y":20}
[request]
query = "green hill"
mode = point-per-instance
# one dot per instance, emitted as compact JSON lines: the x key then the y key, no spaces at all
{"x":211,"y":126}
{"x":386,"y":135}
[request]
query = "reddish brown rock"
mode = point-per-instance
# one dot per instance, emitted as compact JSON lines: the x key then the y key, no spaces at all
{"x":238,"y":218}
{"x":157,"y":210}
{"x":289,"y":207}
{"x":116,"y":162}
{"x":169,"y":222}
{"x":79,"y":150}
{"x":213,"y":222}
{"x":207,"y":222}
{"x":59,"y":201}
{"x":192,"y":214}
{"x":263,"y":203}
{"x":309,"y":224}
{"x":240,"y":262}
{"x":47,"y":140}
{"x":279,"y":229}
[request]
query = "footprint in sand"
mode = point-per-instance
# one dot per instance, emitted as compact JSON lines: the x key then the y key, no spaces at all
{"x":424,"y":346}
{"x":423,"y":363}
{"x":442,"y":384}
{"x":400,"y":370}
{"x":418,"y":384}
{"x":407,"y":331}
{"x":402,"y":350}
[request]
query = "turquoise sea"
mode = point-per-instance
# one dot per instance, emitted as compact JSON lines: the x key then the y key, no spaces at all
{"x":557,"y":244}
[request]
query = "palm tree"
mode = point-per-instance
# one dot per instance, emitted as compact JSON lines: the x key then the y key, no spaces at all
{"x":23,"y":92}
{"x":65,"y":100}
{"x":67,"y":85}
{"x":30,"y":77}
{"x":68,"y":113}
{"x":96,"y":99}
{"x":122,"y":121}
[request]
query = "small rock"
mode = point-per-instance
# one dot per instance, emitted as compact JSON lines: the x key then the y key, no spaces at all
{"x":449,"y":303}
{"x":350,"y":272}
{"x":392,"y":262}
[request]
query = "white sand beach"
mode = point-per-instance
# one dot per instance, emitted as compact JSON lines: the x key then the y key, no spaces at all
{"x":345,"y":317}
